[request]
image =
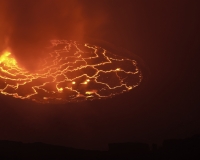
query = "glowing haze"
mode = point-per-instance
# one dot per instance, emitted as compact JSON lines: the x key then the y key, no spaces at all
{"x":26,"y":27}
{"x":71,"y":72}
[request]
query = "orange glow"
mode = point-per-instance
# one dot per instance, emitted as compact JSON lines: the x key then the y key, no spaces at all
{"x":71,"y":72}
{"x":6,"y":59}
{"x":91,"y":92}
{"x":85,"y":82}
{"x":60,"y":89}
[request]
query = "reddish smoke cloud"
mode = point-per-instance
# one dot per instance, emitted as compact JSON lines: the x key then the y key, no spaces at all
{"x":28,"y":26}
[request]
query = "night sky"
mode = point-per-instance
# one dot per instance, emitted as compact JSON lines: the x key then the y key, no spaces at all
{"x":164,"y":34}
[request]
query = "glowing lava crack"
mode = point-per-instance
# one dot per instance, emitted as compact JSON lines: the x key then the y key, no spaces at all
{"x":71,"y":72}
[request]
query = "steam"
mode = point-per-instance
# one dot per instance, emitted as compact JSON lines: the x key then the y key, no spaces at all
{"x":27,"y":27}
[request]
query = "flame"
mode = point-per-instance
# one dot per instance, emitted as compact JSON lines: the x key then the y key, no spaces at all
{"x":72,"y":72}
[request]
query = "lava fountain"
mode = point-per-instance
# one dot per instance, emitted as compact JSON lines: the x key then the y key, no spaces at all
{"x":71,"y":72}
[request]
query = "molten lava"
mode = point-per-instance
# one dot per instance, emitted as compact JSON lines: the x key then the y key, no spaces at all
{"x":71,"y":72}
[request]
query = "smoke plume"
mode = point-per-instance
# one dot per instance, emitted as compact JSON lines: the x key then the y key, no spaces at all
{"x":27,"y":27}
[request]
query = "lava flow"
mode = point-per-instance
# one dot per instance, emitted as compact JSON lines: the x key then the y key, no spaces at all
{"x":71,"y":72}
